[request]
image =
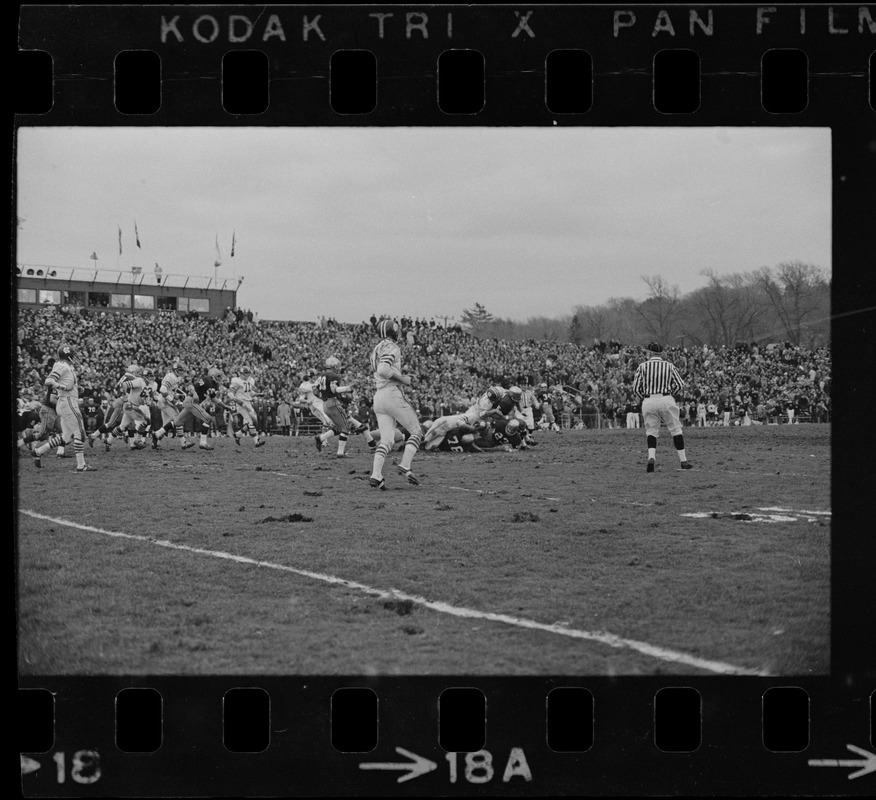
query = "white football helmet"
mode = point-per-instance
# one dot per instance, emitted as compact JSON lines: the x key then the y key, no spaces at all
{"x":134,"y":370}
{"x":332,"y":363}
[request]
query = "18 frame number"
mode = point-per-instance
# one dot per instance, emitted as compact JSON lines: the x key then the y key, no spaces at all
{"x":84,"y":766}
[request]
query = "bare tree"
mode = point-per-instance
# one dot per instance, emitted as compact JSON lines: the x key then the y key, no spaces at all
{"x":594,"y":321}
{"x":659,"y":312}
{"x":799,"y":294}
{"x":622,"y":319}
{"x":727,"y":308}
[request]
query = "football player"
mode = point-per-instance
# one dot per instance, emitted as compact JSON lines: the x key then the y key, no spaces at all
{"x":461,"y":439}
{"x":47,"y":424}
{"x":135,"y":389}
{"x":204,"y":395}
{"x":336,"y":397}
{"x":307,"y":399}
{"x":111,"y":420}
{"x":241,"y":391}
{"x":486,"y":403}
{"x":391,"y":407}
{"x":171,"y":395}
{"x":64,"y":383}
{"x":506,"y":433}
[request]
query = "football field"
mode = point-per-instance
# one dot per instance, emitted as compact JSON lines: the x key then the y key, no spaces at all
{"x":567,"y":559}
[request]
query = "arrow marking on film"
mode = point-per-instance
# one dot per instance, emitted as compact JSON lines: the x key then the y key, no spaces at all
{"x":28,"y":765}
{"x":866,"y":764}
{"x":416,"y":767}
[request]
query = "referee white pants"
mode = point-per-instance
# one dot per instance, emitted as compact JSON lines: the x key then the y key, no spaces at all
{"x":660,"y":408}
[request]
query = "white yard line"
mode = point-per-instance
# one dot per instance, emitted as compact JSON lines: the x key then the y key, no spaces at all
{"x":794,"y":511}
{"x":601,"y":637}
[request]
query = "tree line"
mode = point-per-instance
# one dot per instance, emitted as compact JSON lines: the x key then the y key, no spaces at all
{"x":789,"y":302}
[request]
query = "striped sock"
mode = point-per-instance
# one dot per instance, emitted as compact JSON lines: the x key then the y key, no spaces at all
{"x":379,"y":458}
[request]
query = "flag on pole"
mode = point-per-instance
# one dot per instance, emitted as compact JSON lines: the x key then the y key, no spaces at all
{"x":136,"y":235}
{"x":218,"y":261}
{"x":120,"y":239}
{"x":232,"y":244}
{"x":94,"y":256}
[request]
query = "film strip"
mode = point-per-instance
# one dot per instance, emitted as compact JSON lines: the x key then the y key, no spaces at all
{"x":671,"y":725}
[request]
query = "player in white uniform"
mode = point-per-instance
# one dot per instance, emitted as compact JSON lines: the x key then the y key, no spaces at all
{"x":135,"y":411}
{"x":307,"y":399}
{"x":439,"y":428}
{"x":62,"y":380}
{"x":171,"y":395}
{"x":391,"y":406}
{"x":241,"y":391}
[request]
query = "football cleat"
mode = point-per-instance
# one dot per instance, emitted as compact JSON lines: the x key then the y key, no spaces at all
{"x":260,"y":443}
{"x":37,"y":461}
{"x":106,"y":445}
{"x":650,"y":467}
{"x":206,"y":447}
{"x":90,"y":440}
{"x":412,"y":479}
{"x":377,"y":483}
{"x":86,"y":468}
{"x":373,"y":444}
{"x":686,"y":465}
{"x":342,"y":455}
{"x":187,"y":445}
{"x":318,"y":442}
{"x":237,"y":440}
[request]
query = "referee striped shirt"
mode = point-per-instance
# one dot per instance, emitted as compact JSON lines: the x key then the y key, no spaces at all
{"x":656,"y":376}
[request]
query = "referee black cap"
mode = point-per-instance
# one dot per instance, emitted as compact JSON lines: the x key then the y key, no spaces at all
{"x":654,"y":347}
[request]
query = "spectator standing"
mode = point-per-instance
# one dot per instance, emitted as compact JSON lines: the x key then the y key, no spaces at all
{"x":284,"y":417}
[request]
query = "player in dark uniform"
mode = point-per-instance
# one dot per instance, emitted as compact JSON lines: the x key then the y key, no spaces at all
{"x":506,"y":433}
{"x":91,"y":412}
{"x":460,"y":440}
{"x":204,"y":396}
{"x":329,"y":387}
{"x":510,"y":409}
{"x":111,"y":420}
{"x":337,"y":405}
{"x":47,"y":424}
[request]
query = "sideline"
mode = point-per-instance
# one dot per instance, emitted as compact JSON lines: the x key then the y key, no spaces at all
{"x":601,"y":637}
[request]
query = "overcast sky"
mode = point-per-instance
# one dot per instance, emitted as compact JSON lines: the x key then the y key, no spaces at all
{"x":346,"y":222}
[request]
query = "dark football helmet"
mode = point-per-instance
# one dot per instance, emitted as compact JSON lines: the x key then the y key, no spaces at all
{"x":387,"y":329}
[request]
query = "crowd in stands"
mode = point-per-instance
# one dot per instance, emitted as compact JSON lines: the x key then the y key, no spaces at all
{"x":583,"y":385}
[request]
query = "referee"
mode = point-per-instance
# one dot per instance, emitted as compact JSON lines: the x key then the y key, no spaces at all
{"x":656,"y":382}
